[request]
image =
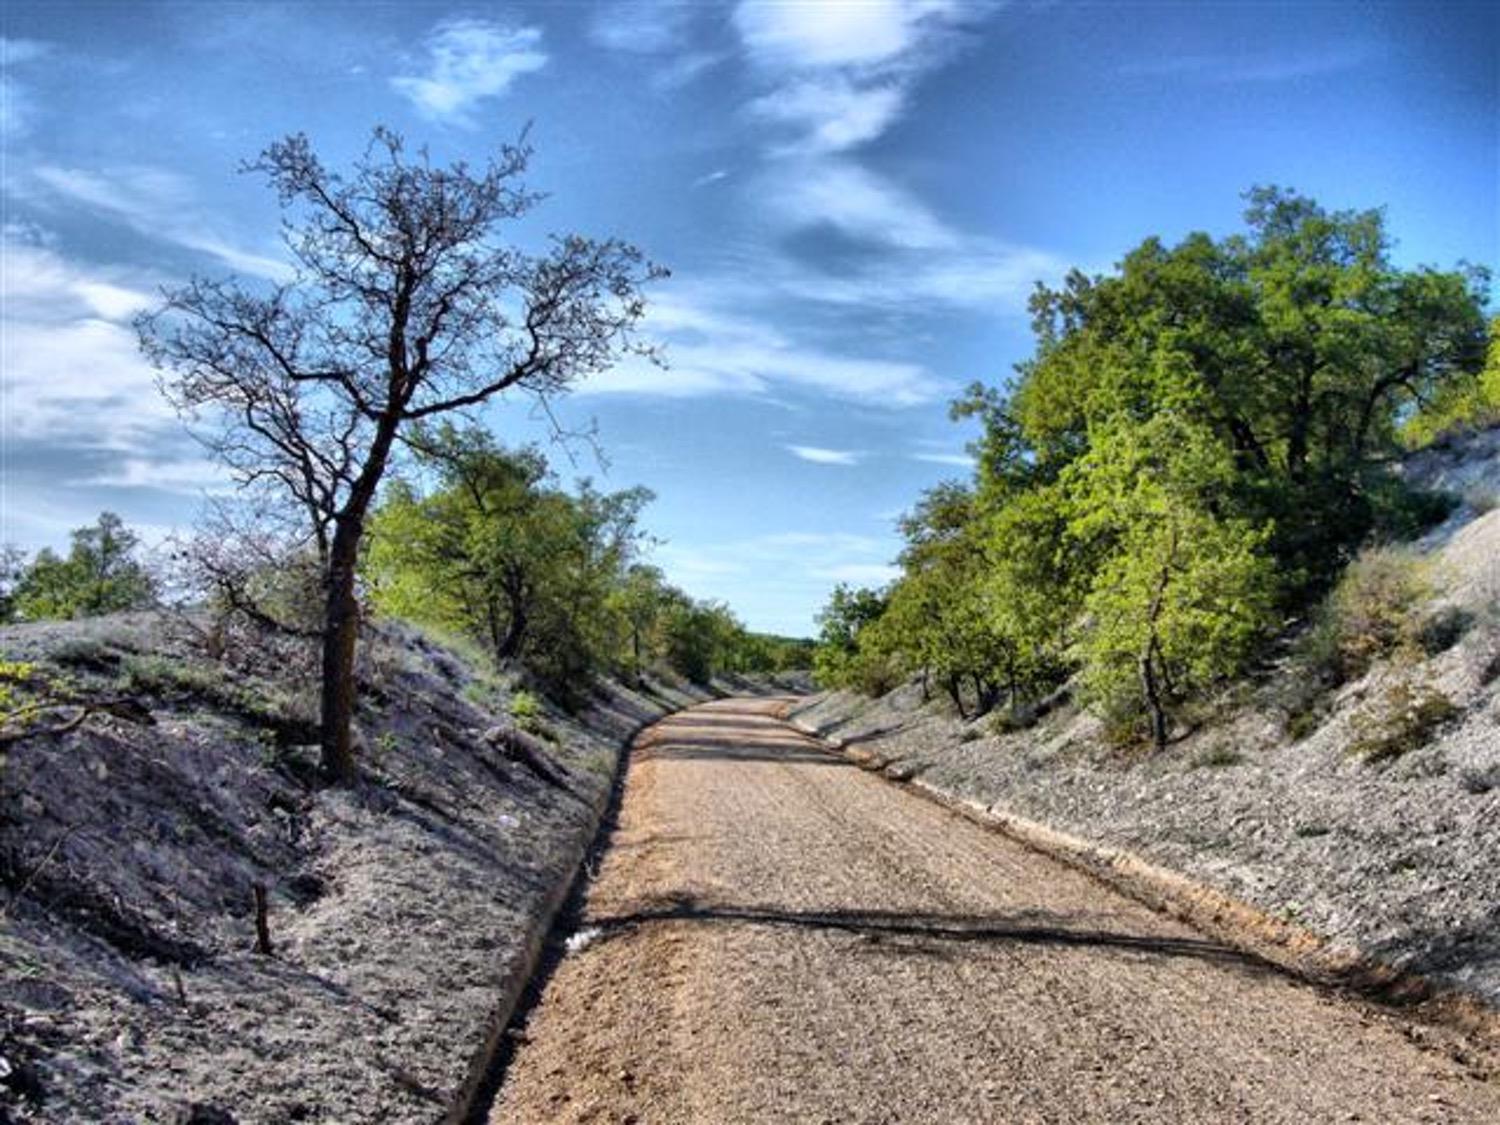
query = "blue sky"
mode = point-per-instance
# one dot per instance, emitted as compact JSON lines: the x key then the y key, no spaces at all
{"x":854,"y":200}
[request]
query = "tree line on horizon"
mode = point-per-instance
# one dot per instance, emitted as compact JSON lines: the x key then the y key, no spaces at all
{"x":1198,"y":446}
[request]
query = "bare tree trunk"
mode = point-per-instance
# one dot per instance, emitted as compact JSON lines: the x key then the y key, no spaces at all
{"x":341,"y":612}
{"x":955,"y":693}
{"x":1152,"y":691}
{"x":340,"y":634}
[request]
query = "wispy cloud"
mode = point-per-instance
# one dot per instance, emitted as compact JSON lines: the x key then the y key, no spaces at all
{"x":711,"y":177}
{"x":80,"y":416}
{"x":151,"y":201}
{"x":709,"y":351}
{"x":1256,"y":67}
{"x":469,"y":61}
{"x":830,"y":113}
{"x":16,"y":106}
{"x":820,"y":456}
{"x":658,"y":30}
{"x":69,"y":357}
{"x":855,"y":201}
{"x":840,"y":74}
{"x":643,"y":27}
{"x":682,"y":69}
{"x":806,"y":35}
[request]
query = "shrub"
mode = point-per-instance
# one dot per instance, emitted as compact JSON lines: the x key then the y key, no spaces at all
{"x":525,"y":709}
{"x":1404,"y":720}
{"x":1372,"y":611}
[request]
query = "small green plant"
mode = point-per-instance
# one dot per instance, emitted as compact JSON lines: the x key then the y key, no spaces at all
{"x":385,"y":746}
{"x":17,"y":704}
{"x":157,"y":675}
{"x":526,"y":710}
{"x":1405,"y":719}
{"x":1375,"y":606}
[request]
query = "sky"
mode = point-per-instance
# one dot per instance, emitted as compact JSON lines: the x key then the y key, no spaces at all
{"x":854,"y":200}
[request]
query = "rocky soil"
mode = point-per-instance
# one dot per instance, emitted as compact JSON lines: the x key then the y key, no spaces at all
{"x":1398,"y":858}
{"x":398,"y":912}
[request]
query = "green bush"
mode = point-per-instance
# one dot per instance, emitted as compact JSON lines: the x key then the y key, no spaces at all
{"x":1405,"y":719}
{"x":1373,"y":611}
{"x":525,"y":709}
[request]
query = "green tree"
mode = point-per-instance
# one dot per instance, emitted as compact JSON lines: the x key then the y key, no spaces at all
{"x":841,"y":623}
{"x":1182,"y":593}
{"x":1462,"y":403}
{"x":101,"y":574}
{"x":494,"y":550}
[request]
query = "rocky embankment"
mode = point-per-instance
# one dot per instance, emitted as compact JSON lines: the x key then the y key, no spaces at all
{"x":1393,"y":856}
{"x":402,"y":915}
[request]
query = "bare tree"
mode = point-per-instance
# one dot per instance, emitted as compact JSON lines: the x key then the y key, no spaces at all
{"x":403,"y":306}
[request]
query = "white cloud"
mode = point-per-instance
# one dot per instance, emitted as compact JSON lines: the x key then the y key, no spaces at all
{"x":710,"y":178}
{"x":190,"y":475}
{"x":470,"y":60}
{"x":820,"y":456}
{"x":70,"y":362}
{"x":805,"y":35}
{"x":778,"y":579}
{"x":841,"y":73}
{"x":712,"y":352}
{"x":151,"y":201}
{"x":831,"y":112}
{"x":856,"y":201}
{"x":990,"y":275}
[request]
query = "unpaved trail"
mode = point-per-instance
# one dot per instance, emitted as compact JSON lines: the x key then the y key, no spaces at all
{"x":782,"y":937}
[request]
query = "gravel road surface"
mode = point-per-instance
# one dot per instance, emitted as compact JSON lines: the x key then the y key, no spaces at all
{"x":775,"y":935}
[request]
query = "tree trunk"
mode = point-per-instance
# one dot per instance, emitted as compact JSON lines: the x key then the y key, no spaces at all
{"x":1152,"y":691}
{"x":340,"y":633}
{"x":341,"y":612}
{"x":955,"y":693}
{"x":515,"y":635}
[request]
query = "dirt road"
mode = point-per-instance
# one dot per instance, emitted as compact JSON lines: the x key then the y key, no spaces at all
{"x":776,"y":936}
